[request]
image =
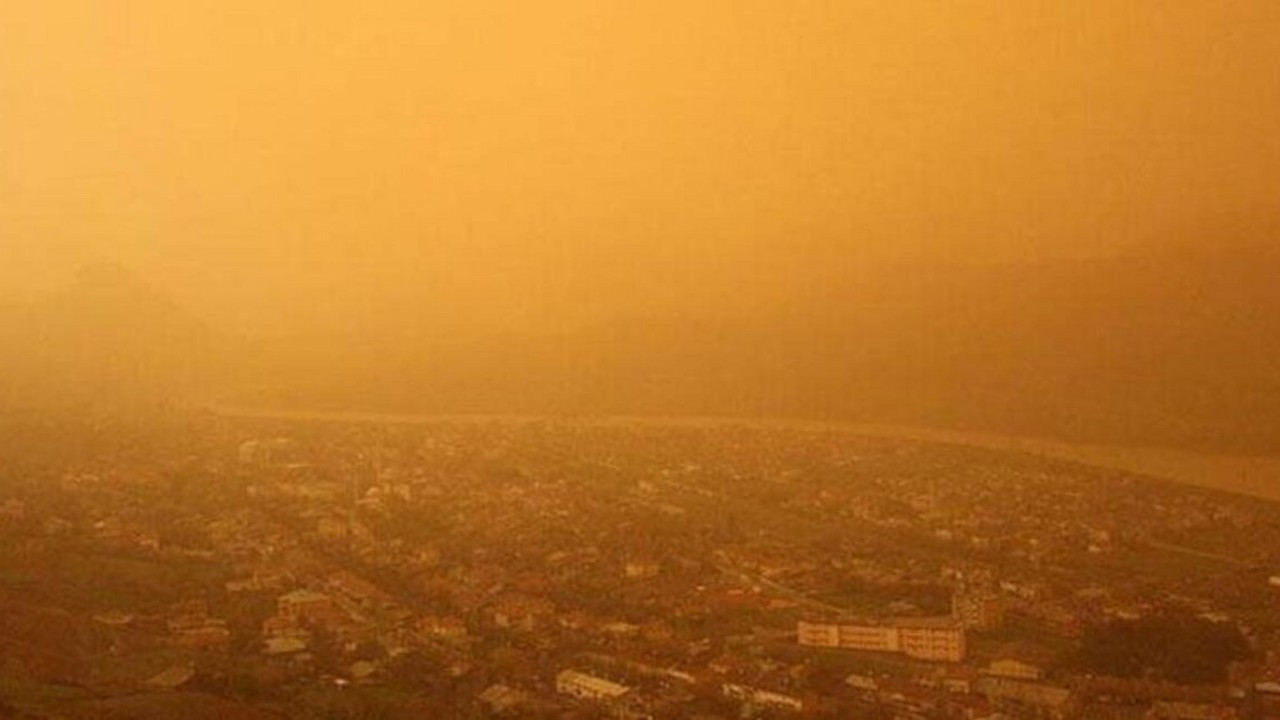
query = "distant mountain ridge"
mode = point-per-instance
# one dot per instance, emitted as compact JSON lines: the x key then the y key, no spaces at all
{"x":108,"y":341}
{"x":1174,"y":349}
{"x":1177,"y":348}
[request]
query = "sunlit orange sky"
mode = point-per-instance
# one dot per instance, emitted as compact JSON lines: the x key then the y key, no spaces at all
{"x":498,"y":164}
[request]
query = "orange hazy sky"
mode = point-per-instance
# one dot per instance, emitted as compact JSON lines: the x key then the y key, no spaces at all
{"x":510,"y":163}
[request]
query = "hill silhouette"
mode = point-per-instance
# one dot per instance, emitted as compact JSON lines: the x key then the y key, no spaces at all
{"x":108,"y":341}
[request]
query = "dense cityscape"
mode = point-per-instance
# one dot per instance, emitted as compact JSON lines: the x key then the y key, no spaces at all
{"x":219,"y":566}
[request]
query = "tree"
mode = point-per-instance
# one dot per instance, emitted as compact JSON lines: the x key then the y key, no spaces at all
{"x":1177,"y":647}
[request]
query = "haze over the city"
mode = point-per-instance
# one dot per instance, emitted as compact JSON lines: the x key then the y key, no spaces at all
{"x":959,"y":212}
{"x":515,"y":165}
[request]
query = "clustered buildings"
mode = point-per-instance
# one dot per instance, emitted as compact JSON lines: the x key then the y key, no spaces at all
{"x":531,"y":569}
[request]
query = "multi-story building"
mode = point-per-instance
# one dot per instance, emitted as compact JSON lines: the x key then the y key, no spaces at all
{"x":818,"y":634}
{"x":940,"y":639}
{"x":879,"y":638}
{"x":978,"y":607}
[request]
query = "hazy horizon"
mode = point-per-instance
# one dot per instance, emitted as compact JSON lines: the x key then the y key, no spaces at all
{"x":503,"y":166}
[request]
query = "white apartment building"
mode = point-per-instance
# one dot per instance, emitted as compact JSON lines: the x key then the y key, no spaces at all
{"x":938,"y":639}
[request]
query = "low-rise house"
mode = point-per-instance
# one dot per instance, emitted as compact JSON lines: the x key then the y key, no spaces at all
{"x":501,"y":699}
{"x":13,"y":509}
{"x":332,"y":528}
{"x":358,"y":591}
{"x":1036,"y":700}
{"x":1191,"y":711}
{"x":362,"y":671}
{"x":115,"y":618}
{"x":286,"y":644}
{"x":442,"y":627}
{"x":305,"y":605}
{"x":191,"y":627}
{"x":863,"y":683}
{"x":620,"y":629}
{"x":641,"y":569}
{"x":589,"y":687}
{"x":521,"y":612}
{"x":202,"y":634}
{"x":172,"y":678}
{"x":764,"y":698}
{"x":1015,"y":669}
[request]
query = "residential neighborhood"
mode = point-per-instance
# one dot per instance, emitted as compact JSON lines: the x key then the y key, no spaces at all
{"x":562,"y":568}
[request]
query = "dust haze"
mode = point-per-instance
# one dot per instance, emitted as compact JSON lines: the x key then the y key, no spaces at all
{"x":665,"y":359}
{"x":727,"y":208}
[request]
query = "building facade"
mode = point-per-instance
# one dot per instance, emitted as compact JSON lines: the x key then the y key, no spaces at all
{"x":936,"y":639}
